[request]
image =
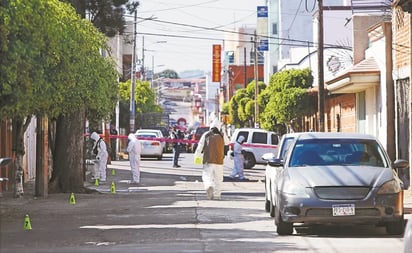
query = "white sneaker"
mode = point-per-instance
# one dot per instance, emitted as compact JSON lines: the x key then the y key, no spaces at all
{"x":209,"y":192}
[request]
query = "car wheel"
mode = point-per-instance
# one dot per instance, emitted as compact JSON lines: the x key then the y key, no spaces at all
{"x":250,"y":161}
{"x":267,"y":202}
{"x":160,"y":157}
{"x":282,"y":228}
{"x":395,"y":228}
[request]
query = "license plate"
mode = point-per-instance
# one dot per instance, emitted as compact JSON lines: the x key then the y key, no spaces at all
{"x":343,"y":210}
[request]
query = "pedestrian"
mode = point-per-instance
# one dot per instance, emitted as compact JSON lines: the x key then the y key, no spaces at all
{"x":100,"y":150}
{"x":113,"y":141}
{"x":134,"y":148}
{"x":176,"y":138}
{"x":212,"y":146}
{"x":238,"y":159}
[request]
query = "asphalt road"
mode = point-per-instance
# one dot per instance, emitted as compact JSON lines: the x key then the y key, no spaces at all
{"x":169,"y":213}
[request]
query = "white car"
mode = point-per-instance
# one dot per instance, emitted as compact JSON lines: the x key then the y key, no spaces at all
{"x":159,"y":135}
{"x":271,"y":171}
{"x":257,"y":143}
{"x":151,"y":146}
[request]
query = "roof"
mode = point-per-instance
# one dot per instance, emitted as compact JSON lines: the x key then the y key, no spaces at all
{"x":361,"y":76}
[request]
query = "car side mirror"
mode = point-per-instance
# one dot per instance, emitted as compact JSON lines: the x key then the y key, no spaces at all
{"x":276,"y":162}
{"x":400,"y":164}
{"x":5,"y":161}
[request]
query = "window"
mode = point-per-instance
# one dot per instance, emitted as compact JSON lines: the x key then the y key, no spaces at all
{"x":259,"y":138}
{"x":274,"y":28}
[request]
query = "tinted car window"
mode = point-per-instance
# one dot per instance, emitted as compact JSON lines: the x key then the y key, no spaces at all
{"x":275,"y":139}
{"x":259,"y":138}
{"x":244,"y":134}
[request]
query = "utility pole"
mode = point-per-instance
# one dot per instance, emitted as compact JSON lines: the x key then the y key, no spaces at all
{"x":321,"y":96}
{"x":142,"y":70}
{"x":133,"y":8}
{"x":244,"y":68}
{"x":256,"y":80}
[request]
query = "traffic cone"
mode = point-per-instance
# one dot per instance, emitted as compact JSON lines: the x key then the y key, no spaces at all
{"x":96,"y":182}
{"x":113,"y":188}
{"x":72,"y":199}
{"x":27,"y":224}
{"x":113,"y":172}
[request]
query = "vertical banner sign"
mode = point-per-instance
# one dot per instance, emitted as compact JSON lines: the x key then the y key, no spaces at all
{"x":262,"y":28}
{"x":217,"y":64}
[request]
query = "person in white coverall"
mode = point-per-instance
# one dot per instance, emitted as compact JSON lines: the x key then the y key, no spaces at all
{"x":212,"y":147}
{"x":134,"y":148}
{"x":100,"y":150}
{"x":238,"y":159}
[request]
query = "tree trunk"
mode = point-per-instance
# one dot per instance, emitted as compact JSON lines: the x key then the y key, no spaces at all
{"x":67,"y":173}
{"x":19,"y":128}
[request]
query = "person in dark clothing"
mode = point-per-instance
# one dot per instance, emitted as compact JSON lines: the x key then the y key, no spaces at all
{"x":113,"y":140}
{"x":177,"y":136}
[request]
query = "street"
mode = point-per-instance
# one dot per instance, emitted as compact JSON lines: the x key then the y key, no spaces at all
{"x":169,"y":213}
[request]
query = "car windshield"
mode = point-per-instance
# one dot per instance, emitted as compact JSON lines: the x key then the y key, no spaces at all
{"x":353,"y":152}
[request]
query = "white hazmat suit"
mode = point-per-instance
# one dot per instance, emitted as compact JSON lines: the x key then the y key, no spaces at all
{"x":134,"y":148}
{"x":100,"y":150}
{"x":238,"y":159}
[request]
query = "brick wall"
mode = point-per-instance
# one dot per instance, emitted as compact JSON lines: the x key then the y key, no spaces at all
{"x":401,"y":44}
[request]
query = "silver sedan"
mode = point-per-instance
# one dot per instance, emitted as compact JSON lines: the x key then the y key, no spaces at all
{"x":338,"y":178}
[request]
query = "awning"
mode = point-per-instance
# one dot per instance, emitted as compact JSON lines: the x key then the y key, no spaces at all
{"x":360,"y":77}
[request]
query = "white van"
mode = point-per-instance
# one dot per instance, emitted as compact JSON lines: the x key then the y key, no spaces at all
{"x":258,"y":142}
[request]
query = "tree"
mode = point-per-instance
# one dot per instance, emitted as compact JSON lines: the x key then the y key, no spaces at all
{"x":287,"y":98}
{"x":145,"y":102}
{"x":168,"y":73}
{"x":51,"y":66}
{"x":242,"y":105}
{"x":106,"y":15}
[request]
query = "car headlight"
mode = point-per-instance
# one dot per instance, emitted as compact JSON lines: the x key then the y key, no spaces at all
{"x":295,"y":190}
{"x":390,"y":187}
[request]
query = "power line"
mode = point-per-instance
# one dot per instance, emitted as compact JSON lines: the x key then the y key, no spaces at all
{"x":303,"y":42}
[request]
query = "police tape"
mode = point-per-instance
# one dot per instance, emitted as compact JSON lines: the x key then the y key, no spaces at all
{"x":186,"y":141}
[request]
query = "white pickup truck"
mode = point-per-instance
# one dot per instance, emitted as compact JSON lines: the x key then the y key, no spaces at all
{"x":258,"y":142}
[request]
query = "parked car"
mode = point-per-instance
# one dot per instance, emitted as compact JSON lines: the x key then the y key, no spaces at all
{"x":338,"y":178}
{"x":151,"y":147}
{"x":257,"y":143}
{"x":168,"y":148}
{"x":271,"y":171}
{"x":196,"y":137}
{"x":159,"y":136}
